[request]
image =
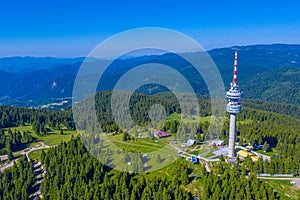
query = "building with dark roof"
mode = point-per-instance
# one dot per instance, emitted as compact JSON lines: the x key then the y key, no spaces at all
{"x":161,"y":134}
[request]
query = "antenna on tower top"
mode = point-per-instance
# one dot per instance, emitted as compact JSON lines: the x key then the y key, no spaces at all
{"x":235,"y":68}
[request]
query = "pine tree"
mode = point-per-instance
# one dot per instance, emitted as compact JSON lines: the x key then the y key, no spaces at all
{"x":158,"y":158}
{"x":10,"y":152}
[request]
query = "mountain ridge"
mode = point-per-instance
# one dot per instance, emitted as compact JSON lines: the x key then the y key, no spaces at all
{"x":277,"y":66}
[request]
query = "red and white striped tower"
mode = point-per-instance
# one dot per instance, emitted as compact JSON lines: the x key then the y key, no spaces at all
{"x":233,"y":107}
{"x":235,"y":67}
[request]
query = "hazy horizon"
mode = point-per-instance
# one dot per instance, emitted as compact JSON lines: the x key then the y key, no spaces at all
{"x":84,"y":57}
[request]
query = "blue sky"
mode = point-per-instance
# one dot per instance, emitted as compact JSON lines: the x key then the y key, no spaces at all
{"x":74,"y":28}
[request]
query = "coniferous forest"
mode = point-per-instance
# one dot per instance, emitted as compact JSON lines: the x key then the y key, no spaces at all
{"x":71,"y":172}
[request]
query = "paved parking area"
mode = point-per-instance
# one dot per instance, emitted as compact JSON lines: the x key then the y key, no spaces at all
{"x":222,"y":151}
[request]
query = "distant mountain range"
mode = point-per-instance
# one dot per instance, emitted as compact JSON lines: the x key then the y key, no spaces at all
{"x":266,"y":72}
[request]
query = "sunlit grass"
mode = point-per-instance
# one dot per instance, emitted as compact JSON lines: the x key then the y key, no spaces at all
{"x":51,"y":138}
{"x":36,"y":155}
{"x":285,"y":189}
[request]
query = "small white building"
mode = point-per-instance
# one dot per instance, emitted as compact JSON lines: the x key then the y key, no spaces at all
{"x":190,"y":142}
{"x":217,"y":143}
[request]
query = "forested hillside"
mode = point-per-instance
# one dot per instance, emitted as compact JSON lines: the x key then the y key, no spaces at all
{"x":280,"y":132}
{"x":17,"y":182}
{"x":268,"y":72}
{"x":73,"y":173}
{"x":280,"y":85}
{"x":281,"y":108}
{"x":17,"y":116}
{"x":255,"y":127}
{"x":39,"y":122}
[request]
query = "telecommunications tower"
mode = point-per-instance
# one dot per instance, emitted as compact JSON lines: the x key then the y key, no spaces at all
{"x":233,"y":107}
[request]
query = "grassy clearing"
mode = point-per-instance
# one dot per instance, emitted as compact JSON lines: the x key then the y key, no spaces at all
{"x":198,"y":119}
{"x":115,"y":148}
{"x":200,"y":149}
{"x":210,"y":154}
{"x":117,"y":157}
{"x":34,"y":144}
{"x":17,"y":155}
{"x":36,"y":155}
{"x":269,"y":153}
{"x":174,"y":116}
{"x":196,"y":152}
{"x":246,"y":121}
{"x":285,"y":189}
{"x":205,"y":149}
{"x":138,"y":144}
{"x":134,"y":147}
{"x":52,"y":138}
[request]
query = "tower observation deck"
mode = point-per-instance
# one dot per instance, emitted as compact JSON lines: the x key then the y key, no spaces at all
{"x":233,"y":107}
